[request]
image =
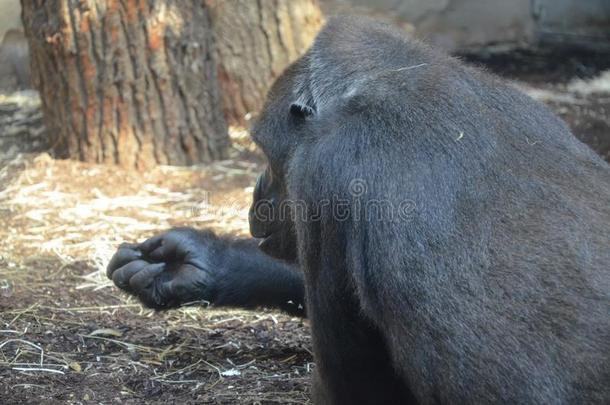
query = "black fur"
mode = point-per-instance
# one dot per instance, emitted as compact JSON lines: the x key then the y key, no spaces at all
{"x":495,"y":287}
{"x":184,"y":266}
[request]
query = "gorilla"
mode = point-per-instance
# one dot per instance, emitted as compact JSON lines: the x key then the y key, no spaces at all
{"x":447,"y":236}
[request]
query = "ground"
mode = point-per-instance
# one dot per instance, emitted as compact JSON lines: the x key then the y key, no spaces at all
{"x":68,"y":336}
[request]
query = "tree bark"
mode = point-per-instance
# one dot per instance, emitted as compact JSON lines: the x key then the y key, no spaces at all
{"x":140,"y":82}
{"x":255,"y":41}
{"x":132,"y":82}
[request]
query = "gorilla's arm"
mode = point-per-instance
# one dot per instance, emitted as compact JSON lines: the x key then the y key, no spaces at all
{"x":184,"y":266}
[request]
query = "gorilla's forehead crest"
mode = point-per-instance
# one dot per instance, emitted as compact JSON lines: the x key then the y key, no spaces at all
{"x":342,"y":63}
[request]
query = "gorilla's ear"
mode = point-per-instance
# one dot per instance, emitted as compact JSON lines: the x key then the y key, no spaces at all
{"x":300,"y":110}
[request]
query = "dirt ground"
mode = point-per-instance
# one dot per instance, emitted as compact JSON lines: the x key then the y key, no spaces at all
{"x":68,"y":336}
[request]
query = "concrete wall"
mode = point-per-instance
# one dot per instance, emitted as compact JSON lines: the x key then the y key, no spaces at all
{"x":580,"y":22}
{"x":466,"y":24}
{"x":10,"y":15}
{"x":453,"y":24}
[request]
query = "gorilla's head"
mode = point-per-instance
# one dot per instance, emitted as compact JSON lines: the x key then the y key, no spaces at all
{"x":333,"y":82}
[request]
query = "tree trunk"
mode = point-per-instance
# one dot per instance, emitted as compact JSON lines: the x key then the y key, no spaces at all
{"x":256,"y":40}
{"x":132,"y":82}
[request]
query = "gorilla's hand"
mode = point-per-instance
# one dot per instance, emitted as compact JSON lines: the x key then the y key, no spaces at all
{"x":171,"y":269}
{"x":184,"y":266}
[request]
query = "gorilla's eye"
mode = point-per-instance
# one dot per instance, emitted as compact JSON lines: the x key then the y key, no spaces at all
{"x":301,"y":111}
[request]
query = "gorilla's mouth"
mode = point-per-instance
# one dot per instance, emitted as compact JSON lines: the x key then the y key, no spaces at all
{"x":264,"y":233}
{"x":269,"y":243}
{"x":275,"y":241}
{"x":278,"y":246}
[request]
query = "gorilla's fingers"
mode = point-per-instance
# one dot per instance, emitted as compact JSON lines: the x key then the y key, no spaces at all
{"x":122,"y":276}
{"x":175,"y":246}
{"x":124,"y":255}
{"x":151,"y":244}
{"x":163,"y":253}
{"x":145,"y":277}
